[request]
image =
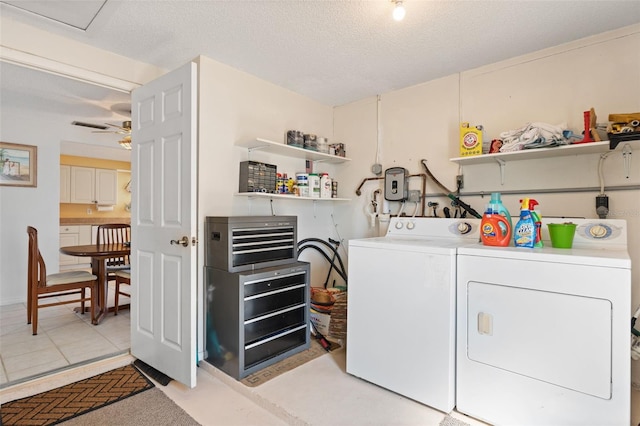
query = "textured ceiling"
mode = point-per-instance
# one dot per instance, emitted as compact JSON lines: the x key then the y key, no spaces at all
{"x":335,"y":51}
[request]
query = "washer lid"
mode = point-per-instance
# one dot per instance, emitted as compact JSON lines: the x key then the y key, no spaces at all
{"x":434,"y":246}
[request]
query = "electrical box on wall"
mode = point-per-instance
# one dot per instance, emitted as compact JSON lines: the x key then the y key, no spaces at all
{"x":395,"y":184}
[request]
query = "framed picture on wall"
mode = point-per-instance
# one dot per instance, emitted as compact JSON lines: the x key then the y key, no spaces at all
{"x":18,"y":165}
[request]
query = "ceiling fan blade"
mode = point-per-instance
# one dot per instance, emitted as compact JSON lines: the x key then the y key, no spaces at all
{"x":90,"y":125}
{"x":121,"y":128}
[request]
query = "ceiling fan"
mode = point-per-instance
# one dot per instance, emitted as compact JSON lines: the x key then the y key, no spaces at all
{"x":125,"y":130}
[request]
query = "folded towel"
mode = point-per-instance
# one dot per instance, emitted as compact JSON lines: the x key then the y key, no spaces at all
{"x":533,"y":135}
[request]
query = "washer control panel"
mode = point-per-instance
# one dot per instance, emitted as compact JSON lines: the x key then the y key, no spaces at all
{"x":426,"y":227}
{"x":593,"y":233}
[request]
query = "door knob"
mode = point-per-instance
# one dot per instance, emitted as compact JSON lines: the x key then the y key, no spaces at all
{"x":184,"y":241}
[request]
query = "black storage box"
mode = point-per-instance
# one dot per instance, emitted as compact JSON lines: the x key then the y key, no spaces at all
{"x":257,"y":177}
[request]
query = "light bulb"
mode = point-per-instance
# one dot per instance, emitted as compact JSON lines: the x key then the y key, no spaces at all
{"x":398,"y":11}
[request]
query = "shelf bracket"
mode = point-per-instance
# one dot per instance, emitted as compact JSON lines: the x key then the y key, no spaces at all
{"x":501,"y":163}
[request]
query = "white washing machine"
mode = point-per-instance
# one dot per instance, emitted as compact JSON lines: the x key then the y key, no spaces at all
{"x":402,"y":305}
{"x":543,"y":334}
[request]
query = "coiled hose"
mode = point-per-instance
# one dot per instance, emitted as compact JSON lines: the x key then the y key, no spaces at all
{"x":316,"y":244}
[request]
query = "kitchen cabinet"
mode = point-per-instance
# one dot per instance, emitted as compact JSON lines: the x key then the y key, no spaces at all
{"x":65,"y":184}
{"x":265,"y":145}
{"x":93,"y":186}
{"x":72,"y":236}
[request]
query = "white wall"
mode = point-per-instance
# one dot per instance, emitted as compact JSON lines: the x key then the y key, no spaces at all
{"x":20,"y":207}
{"x":552,"y":86}
{"x":234,"y":107}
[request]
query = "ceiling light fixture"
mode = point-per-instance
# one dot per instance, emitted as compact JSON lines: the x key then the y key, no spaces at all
{"x":125,"y":142}
{"x":398,"y":11}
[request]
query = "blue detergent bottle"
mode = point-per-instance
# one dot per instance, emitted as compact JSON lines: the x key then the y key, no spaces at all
{"x":497,"y":207}
{"x":524,"y":234}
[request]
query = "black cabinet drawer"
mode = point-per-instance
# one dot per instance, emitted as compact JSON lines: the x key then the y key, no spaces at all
{"x":272,"y":302}
{"x":274,"y":324}
{"x":251,"y":288}
{"x":261,"y":255}
{"x":257,"y":353}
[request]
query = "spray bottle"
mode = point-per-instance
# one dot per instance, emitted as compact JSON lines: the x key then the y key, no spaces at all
{"x":524,"y":234}
{"x":538,"y":222}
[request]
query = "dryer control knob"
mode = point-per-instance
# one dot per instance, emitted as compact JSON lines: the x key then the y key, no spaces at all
{"x":464,"y":228}
{"x":411,"y":225}
{"x":598,"y":231}
{"x":398,"y":225}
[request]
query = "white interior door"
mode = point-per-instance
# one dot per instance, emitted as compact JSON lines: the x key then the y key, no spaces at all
{"x":164,"y":171}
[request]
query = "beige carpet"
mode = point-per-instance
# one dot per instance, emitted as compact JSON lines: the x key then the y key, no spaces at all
{"x":259,"y":377}
{"x":149,"y":408}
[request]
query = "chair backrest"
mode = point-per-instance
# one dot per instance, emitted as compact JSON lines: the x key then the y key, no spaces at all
{"x":36,"y":269}
{"x":115,"y":233}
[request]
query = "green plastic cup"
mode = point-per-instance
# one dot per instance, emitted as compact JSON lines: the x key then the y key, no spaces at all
{"x":562,"y":234}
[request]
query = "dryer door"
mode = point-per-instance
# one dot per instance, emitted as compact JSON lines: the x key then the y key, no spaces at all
{"x":553,"y":337}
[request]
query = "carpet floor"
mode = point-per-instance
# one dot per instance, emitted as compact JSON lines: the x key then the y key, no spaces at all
{"x":75,"y":399}
{"x":151,"y":408}
{"x":262,"y":376}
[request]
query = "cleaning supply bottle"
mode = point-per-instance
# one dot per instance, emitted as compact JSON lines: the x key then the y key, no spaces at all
{"x":495,"y":229}
{"x":537,"y":219}
{"x":498,"y":207}
{"x":524,"y":234}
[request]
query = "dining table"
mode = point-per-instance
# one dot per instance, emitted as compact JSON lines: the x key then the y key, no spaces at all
{"x":98,"y":254}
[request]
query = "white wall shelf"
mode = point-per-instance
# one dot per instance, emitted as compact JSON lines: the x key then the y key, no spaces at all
{"x":532,"y":154}
{"x":290,"y":151}
{"x":286,"y":197}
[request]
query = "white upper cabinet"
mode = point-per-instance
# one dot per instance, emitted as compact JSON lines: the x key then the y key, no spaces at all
{"x":93,"y":186}
{"x":65,"y":184}
{"x":106,"y":190}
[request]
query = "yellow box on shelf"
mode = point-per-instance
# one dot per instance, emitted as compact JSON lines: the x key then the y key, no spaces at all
{"x":470,"y":140}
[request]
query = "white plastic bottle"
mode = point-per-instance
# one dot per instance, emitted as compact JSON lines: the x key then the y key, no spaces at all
{"x":314,"y":185}
{"x":325,"y":185}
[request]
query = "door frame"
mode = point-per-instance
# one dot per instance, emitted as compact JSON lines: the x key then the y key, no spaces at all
{"x":55,"y":67}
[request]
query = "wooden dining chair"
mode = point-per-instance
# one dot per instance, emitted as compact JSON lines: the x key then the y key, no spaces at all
{"x":41,"y":286}
{"x":114,"y":233}
{"x":122,"y":277}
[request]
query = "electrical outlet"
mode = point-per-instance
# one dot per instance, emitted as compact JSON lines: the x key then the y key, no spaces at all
{"x":89,"y":211}
{"x":414,"y":196}
{"x":460,"y":181}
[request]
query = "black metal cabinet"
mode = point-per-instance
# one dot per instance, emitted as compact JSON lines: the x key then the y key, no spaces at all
{"x":256,"y":318}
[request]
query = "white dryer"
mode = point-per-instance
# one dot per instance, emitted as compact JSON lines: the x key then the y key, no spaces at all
{"x":401,"y":307}
{"x":543,"y":334}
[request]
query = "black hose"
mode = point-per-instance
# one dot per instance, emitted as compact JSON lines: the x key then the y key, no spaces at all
{"x":449,"y":194}
{"x":328,"y":245}
{"x":308,"y":243}
{"x":342,"y":274}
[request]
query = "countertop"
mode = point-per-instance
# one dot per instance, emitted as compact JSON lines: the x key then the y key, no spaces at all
{"x":93,"y":220}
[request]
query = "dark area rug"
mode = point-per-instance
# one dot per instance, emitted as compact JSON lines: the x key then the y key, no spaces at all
{"x":75,"y":399}
{"x":315,"y":350}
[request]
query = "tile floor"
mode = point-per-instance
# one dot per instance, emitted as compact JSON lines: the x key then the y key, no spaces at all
{"x":316,"y":393}
{"x":64,"y":339}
